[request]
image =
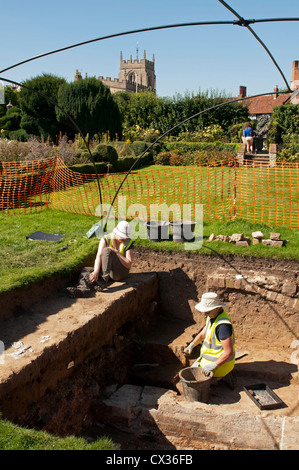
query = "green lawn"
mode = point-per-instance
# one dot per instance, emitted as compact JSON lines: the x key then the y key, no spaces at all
{"x":268,"y":195}
{"x":24,"y":262}
{"x":260,"y":195}
{"x":13,"y":437}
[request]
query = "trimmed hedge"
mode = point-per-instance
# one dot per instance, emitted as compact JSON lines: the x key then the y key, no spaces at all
{"x":138,"y":147}
{"x":88,"y":168}
{"x":122,"y":165}
{"x":184,"y":147}
{"x":105,"y":153}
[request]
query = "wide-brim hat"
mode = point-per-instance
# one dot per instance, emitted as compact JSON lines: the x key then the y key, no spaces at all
{"x":123,"y":230}
{"x":208,"y":302}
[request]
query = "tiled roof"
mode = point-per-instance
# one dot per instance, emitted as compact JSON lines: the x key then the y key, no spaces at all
{"x":265,"y":104}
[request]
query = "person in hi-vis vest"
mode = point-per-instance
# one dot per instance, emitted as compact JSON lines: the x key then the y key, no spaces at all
{"x":112,"y":263}
{"x":115,"y":254}
{"x":217,"y":352}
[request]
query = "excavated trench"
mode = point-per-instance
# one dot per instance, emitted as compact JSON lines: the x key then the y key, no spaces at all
{"x":109,"y":365}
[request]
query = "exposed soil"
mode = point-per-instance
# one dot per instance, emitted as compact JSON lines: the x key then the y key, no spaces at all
{"x":183,"y":279}
{"x":265,"y":330}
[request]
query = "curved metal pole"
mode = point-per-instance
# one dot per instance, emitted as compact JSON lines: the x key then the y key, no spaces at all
{"x":245,"y":23}
{"x":69,"y":117}
{"x":266,"y":20}
{"x":169,"y":130}
{"x":102,"y":38}
{"x":143,"y":30}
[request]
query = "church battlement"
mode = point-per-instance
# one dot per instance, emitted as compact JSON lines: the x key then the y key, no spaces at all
{"x":108,"y":79}
{"x":134,"y":76}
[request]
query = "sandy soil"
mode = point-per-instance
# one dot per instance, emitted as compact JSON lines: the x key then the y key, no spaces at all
{"x":266,"y":331}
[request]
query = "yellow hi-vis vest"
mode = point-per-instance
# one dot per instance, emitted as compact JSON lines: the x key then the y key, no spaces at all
{"x":212,"y":348}
{"x":123,"y":246}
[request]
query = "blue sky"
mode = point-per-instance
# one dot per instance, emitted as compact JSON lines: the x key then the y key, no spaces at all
{"x":186,"y":59}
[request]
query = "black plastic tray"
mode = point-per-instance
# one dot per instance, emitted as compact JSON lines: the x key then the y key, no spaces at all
{"x":263,"y":397}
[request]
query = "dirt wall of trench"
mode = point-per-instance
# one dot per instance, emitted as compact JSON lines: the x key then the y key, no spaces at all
{"x":263,"y":305}
{"x":261,"y":295}
{"x":51,"y":387}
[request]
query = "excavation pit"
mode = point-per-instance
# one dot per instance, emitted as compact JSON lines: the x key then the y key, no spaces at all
{"x":110,"y":364}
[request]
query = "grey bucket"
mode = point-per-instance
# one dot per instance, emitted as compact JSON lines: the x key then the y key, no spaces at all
{"x":196,"y":385}
{"x":182,"y":230}
{"x":157,"y":230}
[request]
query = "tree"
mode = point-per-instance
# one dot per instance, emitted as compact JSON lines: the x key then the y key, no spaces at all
{"x":90,"y":103}
{"x":38,"y":113}
{"x":287,"y":116}
{"x":10,"y":94}
{"x":147,"y":110}
{"x":11,"y":120}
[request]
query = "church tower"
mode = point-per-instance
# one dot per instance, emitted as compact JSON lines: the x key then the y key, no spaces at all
{"x":140,"y":73}
{"x":134,"y":75}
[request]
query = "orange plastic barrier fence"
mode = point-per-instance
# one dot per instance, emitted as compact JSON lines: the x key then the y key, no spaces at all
{"x":260,"y":194}
{"x":26,"y":185}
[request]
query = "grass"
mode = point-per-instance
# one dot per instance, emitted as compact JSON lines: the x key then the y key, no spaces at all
{"x":289,"y":251}
{"x":24,"y":262}
{"x":260,"y":195}
{"x":13,"y":437}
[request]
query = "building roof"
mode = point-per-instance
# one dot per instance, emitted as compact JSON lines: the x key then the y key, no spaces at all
{"x":265,"y":104}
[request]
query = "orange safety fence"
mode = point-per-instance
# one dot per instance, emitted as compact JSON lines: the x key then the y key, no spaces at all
{"x":25,"y":185}
{"x":261,"y":194}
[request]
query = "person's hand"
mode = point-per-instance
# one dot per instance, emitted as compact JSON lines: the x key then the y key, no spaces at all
{"x":114,"y":249}
{"x":188,"y":349}
{"x":209,"y":368}
{"x":93,"y":277}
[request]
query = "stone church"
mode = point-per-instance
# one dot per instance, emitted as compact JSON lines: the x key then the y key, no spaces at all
{"x":134,"y":76}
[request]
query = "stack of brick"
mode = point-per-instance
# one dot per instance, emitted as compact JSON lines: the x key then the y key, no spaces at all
{"x":237,"y":238}
{"x":240,"y":240}
{"x":269,"y":287}
{"x":274,"y":240}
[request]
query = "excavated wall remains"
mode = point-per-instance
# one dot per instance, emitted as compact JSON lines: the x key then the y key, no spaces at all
{"x":114,"y":358}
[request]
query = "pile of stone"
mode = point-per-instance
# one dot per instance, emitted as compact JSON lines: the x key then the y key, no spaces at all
{"x":257,"y":237}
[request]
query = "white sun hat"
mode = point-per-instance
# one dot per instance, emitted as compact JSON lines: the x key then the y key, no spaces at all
{"x":123,"y":229}
{"x":208,"y":302}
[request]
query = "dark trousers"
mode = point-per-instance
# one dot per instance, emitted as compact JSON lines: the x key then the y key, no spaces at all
{"x":111,"y":269}
{"x":112,"y":266}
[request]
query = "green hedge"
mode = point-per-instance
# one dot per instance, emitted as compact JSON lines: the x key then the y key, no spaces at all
{"x":105,"y":153}
{"x":88,"y":168}
{"x":138,"y":147}
{"x":184,"y":147}
{"x":122,"y":165}
{"x":187,"y":149}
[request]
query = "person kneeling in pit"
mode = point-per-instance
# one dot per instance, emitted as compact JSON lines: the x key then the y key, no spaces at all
{"x":114,"y":254}
{"x":217,"y":352}
{"x":112,"y":263}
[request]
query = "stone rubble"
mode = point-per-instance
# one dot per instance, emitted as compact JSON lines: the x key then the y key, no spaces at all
{"x":257,"y":237}
{"x":273,"y":288}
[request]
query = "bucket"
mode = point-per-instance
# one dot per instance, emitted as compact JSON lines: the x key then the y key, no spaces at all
{"x":196,"y":385}
{"x":182,"y":230}
{"x":157,"y":230}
